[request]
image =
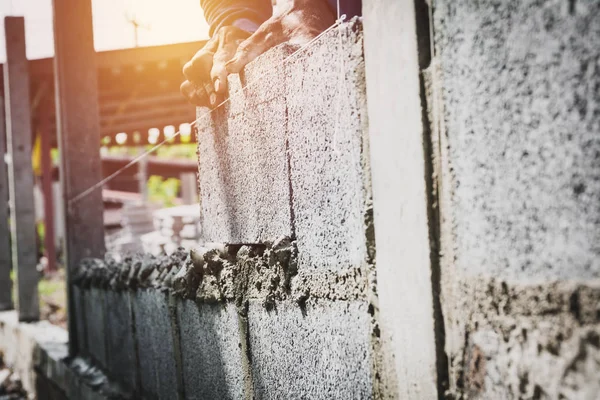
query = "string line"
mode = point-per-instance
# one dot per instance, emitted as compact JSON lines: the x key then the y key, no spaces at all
{"x":195,"y":122}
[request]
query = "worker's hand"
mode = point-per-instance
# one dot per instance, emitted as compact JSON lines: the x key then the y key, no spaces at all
{"x":205,"y":73}
{"x":301,"y":23}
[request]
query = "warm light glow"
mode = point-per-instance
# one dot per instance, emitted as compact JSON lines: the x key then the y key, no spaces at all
{"x":137,"y":137}
{"x":169,"y":132}
{"x":153,"y":134}
{"x":186,"y":132}
{"x":121,"y":138}
{"x":162,"y":21}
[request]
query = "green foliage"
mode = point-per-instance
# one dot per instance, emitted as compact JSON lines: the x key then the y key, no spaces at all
{"x":41,"y":231}
{"x":178,"y":151}
{"x":163,"y":191}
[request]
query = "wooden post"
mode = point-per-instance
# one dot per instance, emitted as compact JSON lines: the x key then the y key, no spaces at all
{"x":46,"y":148}
{"x":79,"y":138}
{"x":20,"y":171}
{"x":5,"y":253}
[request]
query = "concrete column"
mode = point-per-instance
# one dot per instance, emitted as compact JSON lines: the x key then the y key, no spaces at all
{"x":24,"y":246}
{"x":79,"y":134}
{"x":5,"y":253}
{"x":400,"y":201}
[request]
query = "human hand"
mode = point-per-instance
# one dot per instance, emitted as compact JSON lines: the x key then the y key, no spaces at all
{"x":205,"y":73}
{"x":301,"y":23}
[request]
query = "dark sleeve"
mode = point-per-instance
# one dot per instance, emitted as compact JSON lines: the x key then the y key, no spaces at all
{"x":220,"y":13}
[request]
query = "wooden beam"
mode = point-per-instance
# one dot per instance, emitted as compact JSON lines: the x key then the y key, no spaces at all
{"x":78,"y":138}
{"x":5,"y":252}
{"x":18,"y":127}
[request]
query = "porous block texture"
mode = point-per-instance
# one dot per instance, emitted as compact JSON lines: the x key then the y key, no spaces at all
{"x":120,"y":339}
{"x":95,"y":324}
{"x":520,"y":83}
{"x":157,"y":359}
{"x":328,"y":149}
{"x":288,"y":154}
{"x":244,"y":187}
{"x":518,"y":116}
{"x":319,"y":351}
{"x":210,"y":351}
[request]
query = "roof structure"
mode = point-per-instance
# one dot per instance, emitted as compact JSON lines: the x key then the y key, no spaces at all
{"x":138,"y":91}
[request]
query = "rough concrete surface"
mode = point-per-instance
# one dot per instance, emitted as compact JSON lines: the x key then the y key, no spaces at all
{"x":94,"y":312}
{"x":243,"y":178}
{"x":521,"y":84}
{"x":210,"y":351}
{"x":121,"y":348}
{"x":319,"y":351}
{"x":328,"y":148}
{"x":157,"y":358}
{"x":313,"y":111}
{"x":516,"y":117}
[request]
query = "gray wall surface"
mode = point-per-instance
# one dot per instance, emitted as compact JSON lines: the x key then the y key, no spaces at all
{"x":278,"y":302}
{"x":514,"y":95}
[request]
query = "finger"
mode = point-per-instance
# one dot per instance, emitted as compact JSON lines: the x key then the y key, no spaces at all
{"x":266,"y":37}
{"x":197,"y":70}
{"x":193,"y":94}
{"x":210,"y":93}
{"x":229,"y":40}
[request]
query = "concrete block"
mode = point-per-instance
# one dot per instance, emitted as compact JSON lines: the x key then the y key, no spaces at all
{"x":244,"y":187}
{"x":210,"y":351}
{"x":120,"y":341}
{"x":158,"y":377}
{"x":78,"y":314}
{"x":94,"y":308}
{"x":521,"y":102}
{"x":320,"y":352}
{"x":328,"y":149}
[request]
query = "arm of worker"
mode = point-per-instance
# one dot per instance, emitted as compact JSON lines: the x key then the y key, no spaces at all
{"x":233,"y":46}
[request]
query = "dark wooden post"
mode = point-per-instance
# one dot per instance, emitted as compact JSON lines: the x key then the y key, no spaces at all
{"x":79,"y":137}
{"x":46,"y":163}
{"x":5,"y":252}
{"x":20,"y":171}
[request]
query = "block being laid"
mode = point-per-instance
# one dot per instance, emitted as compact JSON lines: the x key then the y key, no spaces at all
{"x":328,"y":146}
{"x":243,"y":167}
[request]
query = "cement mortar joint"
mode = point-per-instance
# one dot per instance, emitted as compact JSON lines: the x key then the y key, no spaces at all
{"x":224,"y":272}
{"x":513,"y":332}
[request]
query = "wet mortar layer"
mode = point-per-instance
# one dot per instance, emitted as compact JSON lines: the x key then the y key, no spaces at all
{"x":531,"y":341}
{"x":214,"y":286}
{"x":227,"y":273}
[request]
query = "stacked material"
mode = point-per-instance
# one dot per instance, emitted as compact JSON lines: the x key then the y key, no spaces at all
{"x":174,"y":227}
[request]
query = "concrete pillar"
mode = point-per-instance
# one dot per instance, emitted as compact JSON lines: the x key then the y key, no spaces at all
{"x":5,"y":251}
{"x":79,"y":135}
{"x":16,"y":89}
{"x":400,"y":200}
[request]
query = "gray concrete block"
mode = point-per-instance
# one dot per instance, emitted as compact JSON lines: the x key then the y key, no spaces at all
{"x":244,"y":188}
{"x":120,"y":341}
{"x":320,"y":352}
{"x":154,"y":336}
{"x":210,"y":351}
{"x":94,"y":313}
{"x":328,"y":149}
{"x":78,"y":314}
{"x":522,"y":116}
